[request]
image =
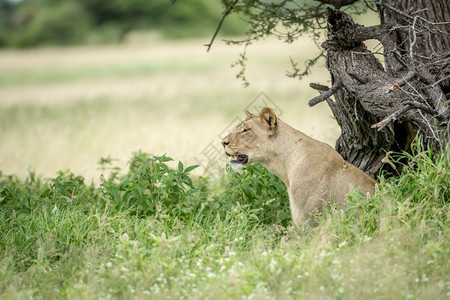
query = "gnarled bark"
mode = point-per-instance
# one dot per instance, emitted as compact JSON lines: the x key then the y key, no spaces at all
{"x":378,"y":109}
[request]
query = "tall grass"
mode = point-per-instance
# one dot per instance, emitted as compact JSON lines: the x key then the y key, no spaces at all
{"x":157,"y":232}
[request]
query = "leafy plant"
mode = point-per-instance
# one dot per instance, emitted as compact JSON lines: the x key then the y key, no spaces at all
{"x":151,"y":185}
{"x":260,"y":193}
{"x":21,"y":195}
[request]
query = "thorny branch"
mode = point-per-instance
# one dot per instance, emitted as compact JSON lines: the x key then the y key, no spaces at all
{"x":226,"y":13}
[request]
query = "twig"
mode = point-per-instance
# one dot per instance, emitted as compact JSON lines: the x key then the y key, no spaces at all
{"x":413,"y":43}
{"x":369,"y":7}
{"x":430,"y":127}
{"x":226,"y":13}
{"x":308,"y":65}
{"x":420,"y":18}
{"x":408,"y":106}
{"x":319,"y":87}
{"x":440,"y":80}
{"x":325,"y":95}
{"x":334,"y":109}
{"x":402,"y":81}
{"x":399,"y":58}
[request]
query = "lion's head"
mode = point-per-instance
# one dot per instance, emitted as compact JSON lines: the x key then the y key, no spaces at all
{"x":250,"y":141}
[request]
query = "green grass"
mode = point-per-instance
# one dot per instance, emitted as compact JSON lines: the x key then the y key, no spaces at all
{"x":156,"y":232}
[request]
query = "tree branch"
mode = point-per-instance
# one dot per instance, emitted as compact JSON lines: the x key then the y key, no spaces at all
{"x":325,"y":95}
{"x":337,"y":3}
{"x":440,"y":80}
{"x":319,"y":87}
{"x":226,"y":13}
{"x":402,"y":81}
{"x":408,"y":106}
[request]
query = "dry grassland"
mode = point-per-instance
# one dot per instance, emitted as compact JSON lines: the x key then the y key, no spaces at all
{"x":64,"y":108}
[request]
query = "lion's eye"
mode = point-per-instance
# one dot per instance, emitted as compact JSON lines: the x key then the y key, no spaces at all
{"x":245,"y":130}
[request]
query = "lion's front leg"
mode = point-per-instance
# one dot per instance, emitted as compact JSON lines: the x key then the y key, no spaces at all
{"x":302,"y":207}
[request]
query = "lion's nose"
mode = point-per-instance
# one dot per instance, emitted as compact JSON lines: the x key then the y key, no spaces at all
{"x":224,"y":143}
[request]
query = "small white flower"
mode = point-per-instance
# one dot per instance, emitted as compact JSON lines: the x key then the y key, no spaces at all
{"x":382,"y":224}
{"x":163,"y":241}
{"x":440,"y":237}
{"x":423,"y":224}
{"x":342,"y":244}
{"x":40,"y":254}
{"x":336,"y":261}
{"x":125,"y":237}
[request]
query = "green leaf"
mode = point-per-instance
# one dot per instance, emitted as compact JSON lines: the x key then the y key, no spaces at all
{"x":139,"y":189}
{"x":190,"y":168}
{"x":247,"y":190}
{"x":191,"y":191}
{"x":128,"y":196}
{"x":162,"y":158}
{"x":188,"y":181}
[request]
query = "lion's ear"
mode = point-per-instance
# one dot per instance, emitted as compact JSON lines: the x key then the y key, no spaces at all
{"x":248,"y":115}
{"x":268,"y":117}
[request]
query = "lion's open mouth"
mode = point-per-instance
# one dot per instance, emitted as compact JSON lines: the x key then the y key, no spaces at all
{"x":240,"y":159}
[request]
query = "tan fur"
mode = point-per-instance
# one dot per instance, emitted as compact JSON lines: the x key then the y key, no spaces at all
{"x":313,"y":172}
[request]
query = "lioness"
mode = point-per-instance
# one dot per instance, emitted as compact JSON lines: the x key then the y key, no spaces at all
{"x":313,"y":172}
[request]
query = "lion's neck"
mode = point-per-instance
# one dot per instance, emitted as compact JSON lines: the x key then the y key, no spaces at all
{"x":288,"y":144}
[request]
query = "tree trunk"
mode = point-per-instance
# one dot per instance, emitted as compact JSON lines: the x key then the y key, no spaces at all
{"x":381,"y":109}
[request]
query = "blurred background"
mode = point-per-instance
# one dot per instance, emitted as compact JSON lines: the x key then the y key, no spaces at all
{"x":86,"y":79}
